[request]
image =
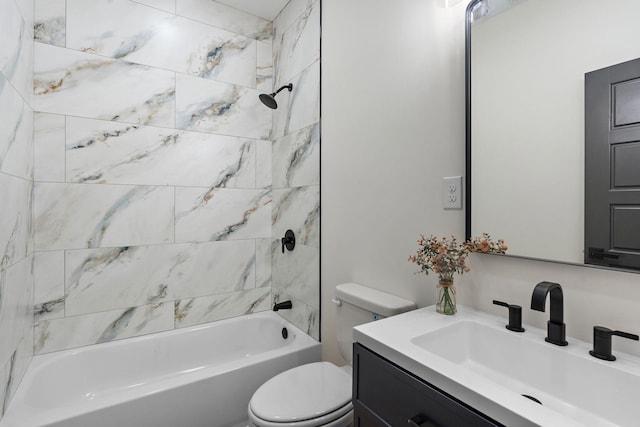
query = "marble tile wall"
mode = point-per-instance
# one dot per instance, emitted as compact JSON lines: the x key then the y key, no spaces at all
{"x":152,"y":165}
{"x":296,"y":163}
{"x":162,"y":184}
{"x":16,"y":188}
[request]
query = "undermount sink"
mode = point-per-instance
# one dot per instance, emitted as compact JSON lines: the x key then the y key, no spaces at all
{"x":473,"y":357}
{"x":579,"y":386}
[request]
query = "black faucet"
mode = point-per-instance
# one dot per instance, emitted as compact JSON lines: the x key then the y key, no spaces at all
{"x":282,"y":305}
{"x":515,"y":316}
{"x":555,"y":325}
{"x":602,"y":342}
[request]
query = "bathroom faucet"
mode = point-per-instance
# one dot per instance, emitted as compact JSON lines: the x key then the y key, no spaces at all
{"x":602,"y":342}
{"x":555,"y":325}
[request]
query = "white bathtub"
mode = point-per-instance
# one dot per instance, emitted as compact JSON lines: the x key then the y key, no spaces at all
{"x":192,"y":377}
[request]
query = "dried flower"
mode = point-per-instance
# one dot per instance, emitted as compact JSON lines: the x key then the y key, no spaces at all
{"x":445,"y":257}
{"x":485,"y":244}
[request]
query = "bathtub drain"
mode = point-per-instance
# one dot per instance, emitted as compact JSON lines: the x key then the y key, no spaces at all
{"x":285,"y":333}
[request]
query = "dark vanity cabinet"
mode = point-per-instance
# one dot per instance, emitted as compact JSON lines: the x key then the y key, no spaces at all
{"x":387,"y":395}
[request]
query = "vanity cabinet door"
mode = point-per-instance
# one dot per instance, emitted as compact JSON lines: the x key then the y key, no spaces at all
{"x":386,"y":395}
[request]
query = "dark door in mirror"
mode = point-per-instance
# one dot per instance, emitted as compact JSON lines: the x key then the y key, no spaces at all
{"x":612,"y":166}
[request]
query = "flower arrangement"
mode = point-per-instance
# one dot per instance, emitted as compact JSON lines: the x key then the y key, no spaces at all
{"x":446,"y":257}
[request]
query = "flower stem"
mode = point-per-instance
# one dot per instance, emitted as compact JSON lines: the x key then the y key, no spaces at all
{"x":446,"y":303}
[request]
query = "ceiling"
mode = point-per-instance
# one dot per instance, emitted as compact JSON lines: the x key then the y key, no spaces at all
{"x":267,"y":9}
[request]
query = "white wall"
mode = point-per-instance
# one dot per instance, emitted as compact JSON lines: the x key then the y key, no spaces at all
{"x":392,"y":126}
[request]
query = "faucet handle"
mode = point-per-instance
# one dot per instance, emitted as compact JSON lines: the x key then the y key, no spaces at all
{"x":602,"y":342}
{"x":288,"y":241}
{"x":515,"y":316}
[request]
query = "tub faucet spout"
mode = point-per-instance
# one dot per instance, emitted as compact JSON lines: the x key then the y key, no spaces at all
{"x":282,"y":305}
{"x":555,"y":326}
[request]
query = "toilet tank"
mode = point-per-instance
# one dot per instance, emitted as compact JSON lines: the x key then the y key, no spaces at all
{"x":359,"y":304}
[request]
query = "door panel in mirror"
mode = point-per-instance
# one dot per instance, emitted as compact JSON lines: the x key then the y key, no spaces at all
{"x":612,"y":172}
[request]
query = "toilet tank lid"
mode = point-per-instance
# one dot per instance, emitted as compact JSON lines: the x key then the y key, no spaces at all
{"x":373,"y":300}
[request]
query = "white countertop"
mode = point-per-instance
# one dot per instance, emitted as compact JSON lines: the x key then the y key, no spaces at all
{"x":392,"y":339}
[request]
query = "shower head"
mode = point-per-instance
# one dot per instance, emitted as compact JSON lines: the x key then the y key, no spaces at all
{"x":270,"y":99}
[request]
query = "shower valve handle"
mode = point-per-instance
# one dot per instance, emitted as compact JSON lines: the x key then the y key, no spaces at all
{"x":288,"y":241}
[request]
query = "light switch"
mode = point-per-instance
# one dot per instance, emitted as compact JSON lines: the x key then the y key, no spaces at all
{"x":452,"y":192}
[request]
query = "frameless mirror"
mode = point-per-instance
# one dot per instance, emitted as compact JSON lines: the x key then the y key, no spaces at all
{"x":526,"y":61}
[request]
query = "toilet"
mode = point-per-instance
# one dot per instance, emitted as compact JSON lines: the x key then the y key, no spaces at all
{"x":319,"y":394}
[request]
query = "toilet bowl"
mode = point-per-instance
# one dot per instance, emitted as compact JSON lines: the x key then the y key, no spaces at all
{"x":319,"y":394}
{"x":311,"y":395}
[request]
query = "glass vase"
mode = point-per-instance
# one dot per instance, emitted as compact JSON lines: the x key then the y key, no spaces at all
{"x":446,"y":298}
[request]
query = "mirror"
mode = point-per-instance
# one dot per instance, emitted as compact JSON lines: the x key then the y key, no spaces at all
{"x":526,"y":61}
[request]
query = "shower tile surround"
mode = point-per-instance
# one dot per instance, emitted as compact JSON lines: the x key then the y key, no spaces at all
{"x":162,"y":185}
{"x":16,"y":188}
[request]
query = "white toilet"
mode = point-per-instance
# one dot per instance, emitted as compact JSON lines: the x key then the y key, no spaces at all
{"x":319,"y":394}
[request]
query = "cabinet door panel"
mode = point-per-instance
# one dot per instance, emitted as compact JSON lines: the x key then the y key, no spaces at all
{"x":363,"y":417}
{"x":395,"y":396}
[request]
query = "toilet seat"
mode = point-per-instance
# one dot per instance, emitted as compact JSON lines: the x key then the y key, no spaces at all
{"x":315,"y":394}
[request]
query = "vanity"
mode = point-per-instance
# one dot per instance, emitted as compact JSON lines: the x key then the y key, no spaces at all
{"x":425,"y":369}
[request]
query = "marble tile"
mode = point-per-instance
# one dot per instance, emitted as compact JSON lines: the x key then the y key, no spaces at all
{"x":217,"y":107}
{"x":228,"y":18}
{"x":263,"y":263}
{"x":74,"y":216}
{"x":301,"y":107}
{"x":297,"y":209}
{"x":126,"y":30}
{"x":214,"y":268}
{"x":194,"y":311}
{"x":6,"y":367}
{"x":222,"y":214}
{"x":168,"y":5}
{"x":111,"y":278}
{"x":16,"y":132}
{"x":298,"y":46}
{"x":264,"y":164}
{"x":48,"y":277}
{"x":15,"y":219}
{"x":303,"y":316}
{"x":19,"y":363}
{"x":50,"y":23}
{"x":290,"y":14}
{"x":5,"y":384}
{"x":48,"y":147}
{"x":297,"y":272}
{"x":108,"y":152}
{"x":16,"y":305}
{"x":16,"y":56}
{"x":296,"y":158}
{"x":264,"y":67}
{"x":27,"y":11}
{"x":95,"y":328}
{"x":69,"y":82}
{"x":304,"y":105}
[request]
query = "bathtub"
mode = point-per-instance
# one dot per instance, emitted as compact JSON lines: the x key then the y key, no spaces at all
{"x":191,"y":377}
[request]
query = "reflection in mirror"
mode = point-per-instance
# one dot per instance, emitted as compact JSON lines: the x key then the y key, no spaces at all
{"x":526,"y":62}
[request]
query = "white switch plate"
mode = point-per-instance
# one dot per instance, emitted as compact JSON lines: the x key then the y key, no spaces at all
{"x":452,"y":192}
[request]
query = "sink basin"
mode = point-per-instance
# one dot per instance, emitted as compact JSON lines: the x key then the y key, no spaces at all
{"x":565,"y":380}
